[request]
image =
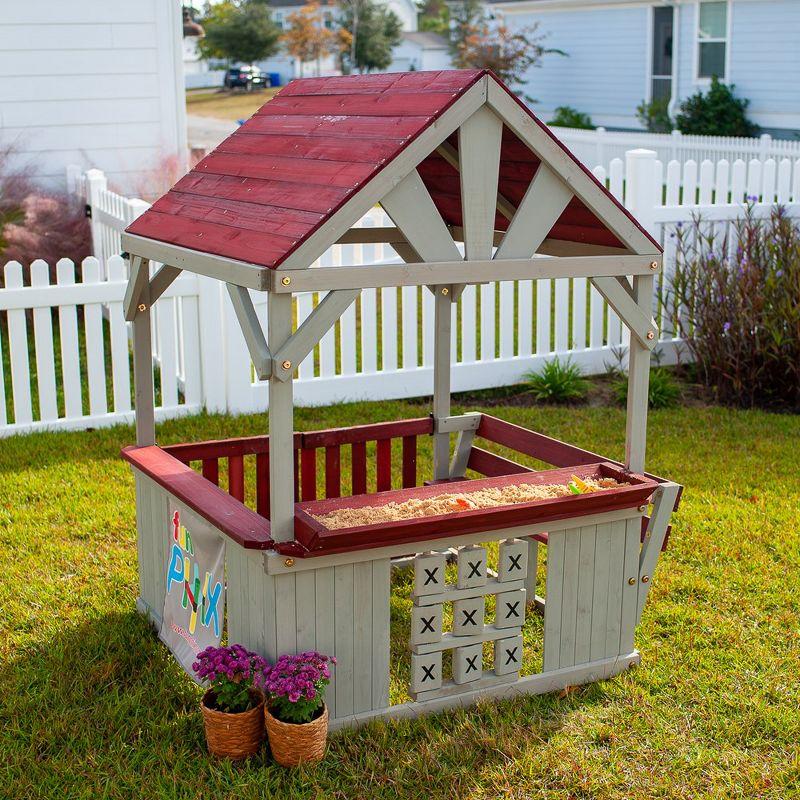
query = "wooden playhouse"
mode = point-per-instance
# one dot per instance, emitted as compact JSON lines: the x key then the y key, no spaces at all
{"x":453,"y":157}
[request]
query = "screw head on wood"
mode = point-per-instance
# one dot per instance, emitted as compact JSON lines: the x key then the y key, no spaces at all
{"x":645,"y":578}
{"x":287,"y":364}
{"x":654,"y":265}
{"x":651,"y":335}
{"x":631,"y":581}
{"x":289,"y":562}
{"x":286,"y":281}
{"x":142,"y":307}
{"x":445,"y":290}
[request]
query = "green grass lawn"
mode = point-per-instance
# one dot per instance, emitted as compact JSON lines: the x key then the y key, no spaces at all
{"x":92,"y":706}
{"x":227,"y":105}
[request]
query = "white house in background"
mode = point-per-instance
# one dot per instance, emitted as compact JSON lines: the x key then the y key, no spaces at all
{"x":621,"y":52}
{"x":330,"y":10}
{"x":421,"y":50}
{"x":97,"y":83}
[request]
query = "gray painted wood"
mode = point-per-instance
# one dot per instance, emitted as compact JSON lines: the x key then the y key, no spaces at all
{"x":487,"y":680}
{"x":143,"y":376}
{"x":468,"y":663}
{"x":281,"y":425}
{"x":490,"y":633}
{"x":616,"y":577}
{"x":138,"y":284}
{"x":630,"y":592}
{"x":306,"y":607}
{"x":468,"y":616}
{"x":586,"y":573}
{"x":362,"y":636}
{"x":312,"y":329}
{"x":343,"y":578}
{"x":161,"y":281}
{"x":223,"y":269}
{"x":479,"y":165}
{"x":381,"y":598}
{"x":286,"y":613}
{"x":508,"y":655}
{"x":556,"y":541}
{"x":429,"y":577}
{"x":569,"y":597}
{"x":426,"y":672}
{"x":638,"y":384}
{"x":251,"y":330}
{"x":443,"y":309}
{"x":510,"y":609}
{"x":325,"y":628}
{"x":387,"y":178}
{"x":544,"y":201}
{"x":450,"y":594}
{"x":558,"y":159}
{"x":418,"y":273}
{"x":472,"y":567}
{"x":458,"y":464}
{"x":602,"y":566}
{"x":512,"y":560}
{"x":638,"y":320}
{"x":499,"y":689}
{"x":532,"y":568}
{"x":663,"y":503}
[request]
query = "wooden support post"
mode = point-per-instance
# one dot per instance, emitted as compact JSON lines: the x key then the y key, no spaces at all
{"x":142,"y":354}
{"x":251,"y":330}
{"x":638,"y":384}
{"x":441,"y":379}
{"x":281,"y":424}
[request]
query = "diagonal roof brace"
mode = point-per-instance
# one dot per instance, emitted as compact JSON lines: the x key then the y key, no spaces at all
{"x":313,"y":328}
{"x":251,"y":330}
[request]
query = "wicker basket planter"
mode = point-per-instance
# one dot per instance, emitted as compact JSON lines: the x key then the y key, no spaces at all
{"x":292,"y":744}
{"x":233,"y":736}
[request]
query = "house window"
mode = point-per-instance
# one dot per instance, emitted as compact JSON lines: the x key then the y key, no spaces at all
{"x":278,"y":19}
{"x":712,"y":39}
{"x":328,"y":19}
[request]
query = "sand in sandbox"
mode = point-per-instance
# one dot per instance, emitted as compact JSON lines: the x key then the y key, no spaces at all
{"x":490,"y":497}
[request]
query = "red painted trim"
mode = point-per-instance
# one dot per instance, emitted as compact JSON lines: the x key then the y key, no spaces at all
{"x":236,"y":477}
{"x":492,"y":465}
{"x":409,"y":461}
{"x":262,"y":484}
{"x":359,"y":467}
{"x":384,"y":465}
{"x":224,"y":512}
{"x":308,"y":474}
{"x":211,"y":470}
{"x":368,"y":433}
{"x":333,"y":472}
{"x":317,"y":539}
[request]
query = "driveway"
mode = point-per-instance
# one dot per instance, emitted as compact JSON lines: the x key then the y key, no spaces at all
{"x":207,"y":132}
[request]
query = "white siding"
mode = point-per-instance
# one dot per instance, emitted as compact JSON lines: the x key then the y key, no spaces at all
{"x":605,"y":71}
{"x":97,"y":83}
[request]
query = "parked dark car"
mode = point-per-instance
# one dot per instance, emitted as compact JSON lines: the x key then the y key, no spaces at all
{"x":247,"y":78}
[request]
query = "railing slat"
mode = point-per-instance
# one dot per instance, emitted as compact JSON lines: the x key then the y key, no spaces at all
{"x":308,"y":474}
{"x":43,"y":334}
{"x":18,"y":346}
{"x":211,"y":470}
{"x":68,"y":330}
{"x":95,"y":351}
{"x":262,"y":484}
{"x":384,"y":465}
{"x":236,"y":477}
{"x":409,"y":461}
{"x":359,"y":467}
{"x":333,"y":477}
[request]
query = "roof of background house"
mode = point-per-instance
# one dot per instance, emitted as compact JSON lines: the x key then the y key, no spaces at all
{"x":427,"y":40}
{"x":275,"y":181}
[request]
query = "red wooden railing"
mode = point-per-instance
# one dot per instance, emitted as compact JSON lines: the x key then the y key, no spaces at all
{"x":206,"y":456}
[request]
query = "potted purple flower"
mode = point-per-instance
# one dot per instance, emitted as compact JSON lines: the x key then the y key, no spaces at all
{"x":233,"y":705}
{"x":295,"y":712}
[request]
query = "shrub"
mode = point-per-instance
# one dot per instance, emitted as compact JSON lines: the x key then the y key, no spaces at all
{"x":663,"y":390}
{"x":655,"y":115}
{"x":718,"y":113}
{"x":738,"y":300}
{"x":568,"y":117}
{"x":558,"y":382}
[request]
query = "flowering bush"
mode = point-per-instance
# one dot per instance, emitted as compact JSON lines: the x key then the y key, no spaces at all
{"x":736,"y":299}
{"x":231,"y":672}
{"x":295,"y":685}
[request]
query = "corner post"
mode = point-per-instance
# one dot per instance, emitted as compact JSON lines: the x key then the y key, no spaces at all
{"x":640,"y":200}
{"x":441,"y":379}
{"x":143,"y":360}
{"x":281,"y":424}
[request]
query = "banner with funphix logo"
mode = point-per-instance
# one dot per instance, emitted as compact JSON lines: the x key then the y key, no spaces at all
{"x":194,"y":605}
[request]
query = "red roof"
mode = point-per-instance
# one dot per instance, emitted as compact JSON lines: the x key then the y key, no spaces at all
{"x":272,"y":183}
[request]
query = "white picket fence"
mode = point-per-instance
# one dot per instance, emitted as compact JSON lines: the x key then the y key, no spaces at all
{"x":600,"y":147}
{"x":70,"y":367}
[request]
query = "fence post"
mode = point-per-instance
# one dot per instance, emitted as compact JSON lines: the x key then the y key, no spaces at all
{"x":640,"y":186}
{"x":95,"y":184}
{"x":675,"y":144}
{"x":134,"y":207}
{"x":764,"y":146}
{"x":211,"y":343}
{"x":600,"y":142}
